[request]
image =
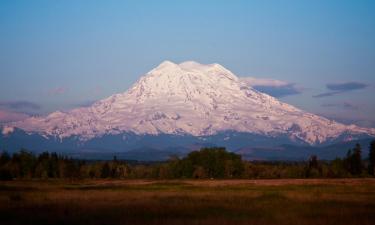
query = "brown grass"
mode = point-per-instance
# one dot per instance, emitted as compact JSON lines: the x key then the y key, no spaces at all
{"x":300,"y":201}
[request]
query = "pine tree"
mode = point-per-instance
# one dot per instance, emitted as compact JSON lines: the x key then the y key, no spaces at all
{"x":106,"y":170}
{"x":371,"y":167}
{"x":356,"y":160}
{"x":4,"y":158}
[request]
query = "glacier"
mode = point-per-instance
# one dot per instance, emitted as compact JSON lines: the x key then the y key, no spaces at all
{"x":189,"y":99}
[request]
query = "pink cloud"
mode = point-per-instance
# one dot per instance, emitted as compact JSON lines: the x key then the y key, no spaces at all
{"x":8,"y":116}
{"x":273,"y":87}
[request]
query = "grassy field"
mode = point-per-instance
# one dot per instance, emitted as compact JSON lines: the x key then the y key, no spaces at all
{"x":336,"y":201}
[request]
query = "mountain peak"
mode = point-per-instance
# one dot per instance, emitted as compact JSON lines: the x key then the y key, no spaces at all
{"x":166,"y":63}
{"x":190,"y":98}
{"x":165,"y":67}
{"x":190,"y":65}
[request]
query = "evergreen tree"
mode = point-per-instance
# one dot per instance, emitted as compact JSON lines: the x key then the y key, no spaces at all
{"x":106,"y":170}
{"x":5,"y":173}
{"x":356,"y":160}
{"x":313,"y":162}
{"x":53,"y":168}
{"x":371,"y":166}
{"x":4,"y":158}
{"x":313,"y":169}
{"x":26,"y":163}
{"x":41,"y":169}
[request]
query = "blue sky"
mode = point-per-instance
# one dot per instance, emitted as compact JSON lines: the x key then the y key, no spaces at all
{"x":56,"y":55}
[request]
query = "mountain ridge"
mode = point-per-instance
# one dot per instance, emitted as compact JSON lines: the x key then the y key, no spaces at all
{"x":189,"y":99}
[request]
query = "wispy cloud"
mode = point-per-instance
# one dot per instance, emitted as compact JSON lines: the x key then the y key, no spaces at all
{"x":17,"y":110}
{"x":348,"y":86}
{"x":326,"y":94}
{"x":57,"y":91}
{"x":11,"y":111}
{"x":19,"y":105}
{"x":9,"y":116}
{"x":342,"y":105}
{"x":339,"y":88}
{"x":273,"y":87}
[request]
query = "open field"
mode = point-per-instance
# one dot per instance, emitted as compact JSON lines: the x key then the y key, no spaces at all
{"x":299,"y":201}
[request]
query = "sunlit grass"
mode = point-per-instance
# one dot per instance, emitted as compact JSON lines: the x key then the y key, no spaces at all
{"x":188,"y":202}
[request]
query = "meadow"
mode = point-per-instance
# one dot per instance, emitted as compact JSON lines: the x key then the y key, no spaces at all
{"x":115,"y":201}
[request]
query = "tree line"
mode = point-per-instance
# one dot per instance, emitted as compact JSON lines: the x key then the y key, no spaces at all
{"x":205,"y":163}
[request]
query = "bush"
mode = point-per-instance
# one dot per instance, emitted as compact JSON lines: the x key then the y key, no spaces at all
{"x":5,"y":174}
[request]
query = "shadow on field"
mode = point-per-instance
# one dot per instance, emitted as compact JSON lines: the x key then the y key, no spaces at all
{"x":183,"y":202}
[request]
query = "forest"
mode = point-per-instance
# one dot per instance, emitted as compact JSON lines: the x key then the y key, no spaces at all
{"x":207,"y":163}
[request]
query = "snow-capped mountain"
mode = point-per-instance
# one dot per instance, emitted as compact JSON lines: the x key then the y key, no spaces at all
{"x":189,"y":99}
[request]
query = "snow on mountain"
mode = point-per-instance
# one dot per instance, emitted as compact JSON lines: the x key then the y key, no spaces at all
{"x":189,"y":98}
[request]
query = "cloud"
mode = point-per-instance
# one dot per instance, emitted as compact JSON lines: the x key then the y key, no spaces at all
{"x":11,"y":111}
{"x":343,"y":105}
{"x":19,"y":105}
{"x":252,"y":81}
{"x":339,"y":88}
{"x":326,"y":94}
{"x":9,"y":116}
{"x":348,"y":86}
{"x":57,"y":91}
{"x":276,"y":88}
{"x":281,"y":91}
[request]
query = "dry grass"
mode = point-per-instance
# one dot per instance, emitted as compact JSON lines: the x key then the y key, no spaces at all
{"x":318,"y":201}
